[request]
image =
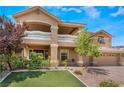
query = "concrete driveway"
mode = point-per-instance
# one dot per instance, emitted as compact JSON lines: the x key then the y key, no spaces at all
{"x":92,"y":76}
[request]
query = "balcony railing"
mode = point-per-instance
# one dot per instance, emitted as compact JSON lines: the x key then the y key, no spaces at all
{"x":66,"y":38}
{"x":39,"y":35}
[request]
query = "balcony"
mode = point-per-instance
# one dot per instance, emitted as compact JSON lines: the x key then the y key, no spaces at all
{"x":40,"y":37}
{"x":37,"y":38}
{"x":66,"y":38}
{"x":37,"y":35}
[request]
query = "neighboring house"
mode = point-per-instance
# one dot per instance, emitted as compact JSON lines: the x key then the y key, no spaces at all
{"x":49,"y":35}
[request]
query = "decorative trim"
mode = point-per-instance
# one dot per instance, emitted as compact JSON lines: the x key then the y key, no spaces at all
{"x":53,"y":27}
{"x":37,"y":21}
{"x":54,"y":45}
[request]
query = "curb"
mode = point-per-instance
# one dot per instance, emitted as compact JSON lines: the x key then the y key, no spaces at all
{"x":38,"y":70}
{"x":78,"y":78}
{"x":5,"y":76}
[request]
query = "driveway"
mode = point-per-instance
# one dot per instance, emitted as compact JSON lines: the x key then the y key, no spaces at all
{"x":92,"y":76}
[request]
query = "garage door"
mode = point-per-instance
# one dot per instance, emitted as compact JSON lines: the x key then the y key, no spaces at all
{"x":105,"y":61}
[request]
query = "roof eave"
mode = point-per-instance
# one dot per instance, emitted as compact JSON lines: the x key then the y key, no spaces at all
{"x":34,"y":8}
{"x":104,"y":32}
{"x":72,"y":24}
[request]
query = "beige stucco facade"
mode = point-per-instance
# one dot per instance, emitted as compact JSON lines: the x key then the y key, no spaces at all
{"x":55,"y":38}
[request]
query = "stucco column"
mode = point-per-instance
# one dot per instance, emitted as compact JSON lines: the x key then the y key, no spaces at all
{"x":54,"y":53}
{"x":54,"y":31}
{"x":80,"y":60}
{"x":54,"y":45}
{"x":26,"y":52}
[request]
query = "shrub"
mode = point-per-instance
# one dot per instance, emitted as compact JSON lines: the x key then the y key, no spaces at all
{"x":2,"y":63}
{"x":1,"y":58}
{"x":78,"y":72}
{"x":35,"y":61}
{"x":1,"y":68}
{"x":16,"y":61}
{"x":48,"y":60}
{"x":46,"y":63}
{"x":20,"y":62}
{"x":65,"y":63}
{"x":25,"y":63}
{"x":108,"y":83}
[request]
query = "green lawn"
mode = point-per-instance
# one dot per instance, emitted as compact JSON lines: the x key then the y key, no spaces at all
{"x":41,"y":79}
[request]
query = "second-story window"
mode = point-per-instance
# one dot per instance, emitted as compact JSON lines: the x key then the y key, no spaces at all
{"x":101,"y":40}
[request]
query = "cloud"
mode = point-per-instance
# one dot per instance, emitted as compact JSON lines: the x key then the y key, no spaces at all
{"x":91,"y":11}
{"x":65,"y":9}
{"x":78,"y":10}
{"x":111,"y":7}
{"x":118,"y":41}
{"x":119,"y":12}
{"x":52,"y":7}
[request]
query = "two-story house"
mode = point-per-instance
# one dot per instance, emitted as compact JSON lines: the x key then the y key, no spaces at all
{"x":51,"y":36}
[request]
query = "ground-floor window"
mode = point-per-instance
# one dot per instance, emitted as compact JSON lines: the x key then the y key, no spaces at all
{"x":44,"y":52}
{"x":64,"y":54}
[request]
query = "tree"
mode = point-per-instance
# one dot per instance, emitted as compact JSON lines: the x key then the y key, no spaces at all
{"x":86,"y":46}
{"x":10,"y":38}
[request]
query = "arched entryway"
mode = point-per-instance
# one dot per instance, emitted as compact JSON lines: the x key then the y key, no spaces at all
{"x":38,"y":26}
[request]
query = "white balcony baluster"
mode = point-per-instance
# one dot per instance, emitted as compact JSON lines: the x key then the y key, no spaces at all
{"x":38,"y":35}
{"x":66,"y":38}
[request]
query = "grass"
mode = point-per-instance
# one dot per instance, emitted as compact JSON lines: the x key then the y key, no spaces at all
{"x":41,"y":79}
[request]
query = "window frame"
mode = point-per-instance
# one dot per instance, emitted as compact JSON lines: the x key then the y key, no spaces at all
{"x":101,"y":39}
{"x":64,"y":51}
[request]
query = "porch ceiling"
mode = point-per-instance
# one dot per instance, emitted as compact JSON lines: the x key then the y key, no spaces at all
{"x":38,"y":26}
{"x":63,"y":29}
{"x":67,"y":30}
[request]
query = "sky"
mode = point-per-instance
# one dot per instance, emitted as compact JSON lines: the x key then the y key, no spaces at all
{"x":109,"y":18}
